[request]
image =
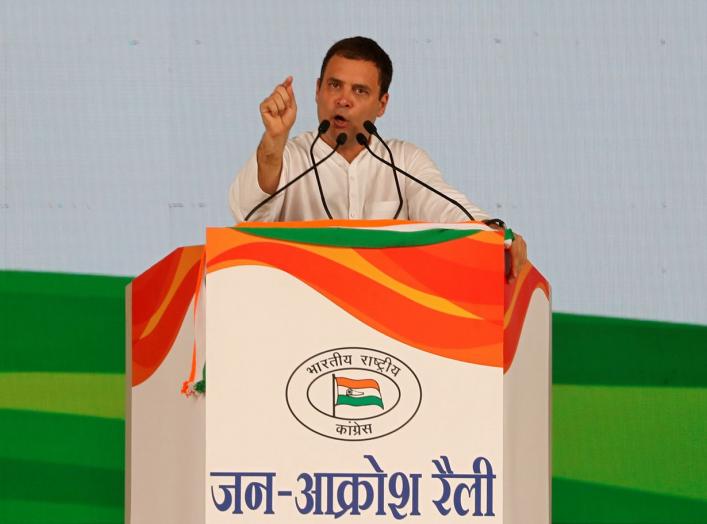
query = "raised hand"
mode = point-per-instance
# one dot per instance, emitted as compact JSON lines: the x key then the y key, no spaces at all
{"x":279,"y":111}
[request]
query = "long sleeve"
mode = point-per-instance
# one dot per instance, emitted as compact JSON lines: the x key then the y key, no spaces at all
{"x":426,"y":206}
{"x":362,"y":189}
{"x":245,"y":193}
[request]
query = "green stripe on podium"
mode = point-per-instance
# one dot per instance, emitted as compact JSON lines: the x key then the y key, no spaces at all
{"x":364,"y":238}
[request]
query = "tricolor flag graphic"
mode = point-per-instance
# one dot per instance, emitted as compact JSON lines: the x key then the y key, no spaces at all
{"x":352,"y":392}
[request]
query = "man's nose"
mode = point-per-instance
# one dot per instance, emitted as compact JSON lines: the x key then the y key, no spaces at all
{"x":343,"y":101}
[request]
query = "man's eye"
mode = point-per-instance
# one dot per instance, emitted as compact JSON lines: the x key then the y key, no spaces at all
{"x":360,"y":91}
{"x":333,"y":83}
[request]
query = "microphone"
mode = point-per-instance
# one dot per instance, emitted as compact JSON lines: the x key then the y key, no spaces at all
{"x":340,"y":141}
{"x":371,"y":128}
{"x":323,"y":127}
{"x":361,"y":139}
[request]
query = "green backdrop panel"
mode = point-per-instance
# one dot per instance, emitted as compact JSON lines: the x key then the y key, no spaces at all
{"x":61,"y":483}
{"x":629,"y":402}
{"x":600,"y":350}
{"x":62,"y":439}
{"x":57,"y":322}
{"x":576,"y":502}
{"x":645,"y":438}
{"x":35,"y":512}
{"x":91,"y":394}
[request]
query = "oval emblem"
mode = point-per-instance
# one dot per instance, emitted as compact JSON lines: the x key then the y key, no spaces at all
{"x":353,"y":393}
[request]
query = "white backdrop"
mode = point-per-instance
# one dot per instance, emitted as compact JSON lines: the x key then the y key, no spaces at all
{"x":582,"y":124}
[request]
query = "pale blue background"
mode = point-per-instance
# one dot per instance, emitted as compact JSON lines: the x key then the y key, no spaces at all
{"x":583,"y":124}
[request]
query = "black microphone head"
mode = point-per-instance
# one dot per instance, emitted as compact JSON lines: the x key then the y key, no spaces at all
{"x":361,"y":138}
{"x":323,"y":126}
{"x":341,"y":138}
{"x":370,"y":127}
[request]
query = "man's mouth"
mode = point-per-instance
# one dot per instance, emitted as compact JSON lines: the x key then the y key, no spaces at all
{"x":339,"y":121}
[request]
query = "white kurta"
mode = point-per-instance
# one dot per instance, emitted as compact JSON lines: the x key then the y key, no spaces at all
{"x":363,"y":189}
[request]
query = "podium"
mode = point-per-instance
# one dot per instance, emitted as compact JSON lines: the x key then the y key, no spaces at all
{"x":357,"y":370}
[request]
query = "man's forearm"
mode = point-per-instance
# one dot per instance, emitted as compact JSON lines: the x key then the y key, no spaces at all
{"x":269,"y":157}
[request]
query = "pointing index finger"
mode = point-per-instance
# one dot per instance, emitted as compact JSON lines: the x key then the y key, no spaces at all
{"x":287,"y":84}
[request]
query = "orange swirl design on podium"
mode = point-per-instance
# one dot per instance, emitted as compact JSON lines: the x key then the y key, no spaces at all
{"x":444,"y":298}
{"x":422,"y":296}
{"x":160,"y":299}
{"x":517,"y":299}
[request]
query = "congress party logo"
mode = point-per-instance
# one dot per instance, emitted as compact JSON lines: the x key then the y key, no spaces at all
{"x":353,"y":393}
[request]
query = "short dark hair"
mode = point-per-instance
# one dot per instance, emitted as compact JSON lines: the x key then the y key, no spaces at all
{"x":362,"y":48}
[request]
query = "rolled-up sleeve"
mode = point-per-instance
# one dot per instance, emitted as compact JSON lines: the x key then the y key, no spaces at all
{"x":245,"y":194}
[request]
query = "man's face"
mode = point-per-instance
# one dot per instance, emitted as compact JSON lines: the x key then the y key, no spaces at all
{"x":348,"y":95}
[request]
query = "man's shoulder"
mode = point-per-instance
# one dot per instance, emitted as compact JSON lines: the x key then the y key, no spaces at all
{"x":400,"y":144}
{"x":403,"y":147}
{"x":302,"y":141}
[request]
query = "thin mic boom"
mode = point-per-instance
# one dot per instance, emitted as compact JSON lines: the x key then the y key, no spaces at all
{"x":371,"y":128}
{"x":362,"y":140}
{"x":306,"y":171}
{"x":320,"y":131}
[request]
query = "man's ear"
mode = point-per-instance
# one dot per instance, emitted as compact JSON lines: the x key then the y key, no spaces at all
{"x":316,"y":91}
{"x":383,"y":103}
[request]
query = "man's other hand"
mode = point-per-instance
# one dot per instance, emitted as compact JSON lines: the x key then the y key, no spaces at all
{"x":519,"y":256}
{"x":279,"y":111}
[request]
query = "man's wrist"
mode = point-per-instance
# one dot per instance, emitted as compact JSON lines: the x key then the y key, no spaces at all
{"x":270,"y":151}
{"x":274,"y":142}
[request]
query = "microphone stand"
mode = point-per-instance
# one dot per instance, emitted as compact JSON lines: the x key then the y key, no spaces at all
{"x":361,"y":139}
{"x":322,"y":129}
{"x":371,"y":128}
{"x":340,"y":140}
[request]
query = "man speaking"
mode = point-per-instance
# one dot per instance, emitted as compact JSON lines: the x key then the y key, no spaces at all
{"x":353,"y":176}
